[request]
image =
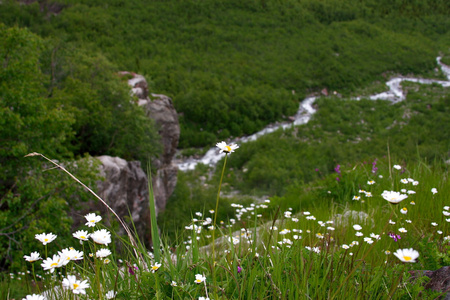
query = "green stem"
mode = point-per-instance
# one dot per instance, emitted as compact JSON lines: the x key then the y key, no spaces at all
{"x":215,"y":222}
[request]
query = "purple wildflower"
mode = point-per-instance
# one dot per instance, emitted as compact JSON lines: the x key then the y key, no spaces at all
{"x":374,"y":166}
{"x":131,"y":269}
{"x":394,"y":236}
{"x":239,"y":269}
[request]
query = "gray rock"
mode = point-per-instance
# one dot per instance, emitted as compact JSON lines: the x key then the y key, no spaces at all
{"x":125,"y":188}
{"x":439,"y":280}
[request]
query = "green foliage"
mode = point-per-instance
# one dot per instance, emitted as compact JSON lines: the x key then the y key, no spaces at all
{"x":342,"y":131}
{"x":66,"y":104}
{"x":232,"y":67}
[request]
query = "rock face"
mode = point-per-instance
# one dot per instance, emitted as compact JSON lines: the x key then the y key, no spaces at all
{"x":125,"y":187}
{"x":439,"y":280}
{"x":160,"y":108}
{"x":125,"y":190}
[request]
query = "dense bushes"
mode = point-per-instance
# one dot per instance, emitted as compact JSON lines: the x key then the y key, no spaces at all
{"x":233,"y":67}
{"x":66,"y":104}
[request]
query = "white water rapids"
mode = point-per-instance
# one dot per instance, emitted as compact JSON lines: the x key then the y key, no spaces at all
{"x":394,"y":94}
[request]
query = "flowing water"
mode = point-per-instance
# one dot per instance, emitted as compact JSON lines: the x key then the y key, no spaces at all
{"x":394,"y":94}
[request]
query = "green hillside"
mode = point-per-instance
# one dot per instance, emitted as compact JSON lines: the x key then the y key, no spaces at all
{"x":234,"y":66}
{"x":231,"y":67}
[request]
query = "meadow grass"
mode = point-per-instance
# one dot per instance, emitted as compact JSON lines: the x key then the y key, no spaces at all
{"x":337,"y":241}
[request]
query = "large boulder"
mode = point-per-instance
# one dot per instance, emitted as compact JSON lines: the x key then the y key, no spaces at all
{"x":125,"y":185}
{"x":160,"y":108}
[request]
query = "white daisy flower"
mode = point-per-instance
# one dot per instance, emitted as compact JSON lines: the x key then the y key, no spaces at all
{"x":199,"y":278}
{"x":224,"y":148}
{"x":393,"y":197}
{"x":92,"y":219}
{"x":34,"y":256}
{"x":45,"y":238}
{"x":407,"y":255}
{"x":77,"y":286}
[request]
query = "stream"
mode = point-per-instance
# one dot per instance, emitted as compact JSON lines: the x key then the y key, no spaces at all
{"x":305,"y":111}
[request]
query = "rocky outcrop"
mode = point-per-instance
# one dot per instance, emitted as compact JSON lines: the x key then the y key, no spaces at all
{"x":125,"y":189}
{"x":160,"y":108}
{"x":439,"y":280}
{"x":125,"y":185}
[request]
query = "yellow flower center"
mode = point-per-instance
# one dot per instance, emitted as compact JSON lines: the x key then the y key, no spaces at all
{"x":82,"y":237}
{"x":198,"y":281}
{"x":155,"y":268}
{"x":228,"y":148}
{"x":75,"y":286}
{"x":53,"y":264}
{"x":407,"y":258}
{"x":45,"y":240}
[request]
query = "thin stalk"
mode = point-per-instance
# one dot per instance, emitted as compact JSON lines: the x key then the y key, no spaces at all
{"x":130,"y":236}
{"x":214,"y":224}
{"x":153,"y":224}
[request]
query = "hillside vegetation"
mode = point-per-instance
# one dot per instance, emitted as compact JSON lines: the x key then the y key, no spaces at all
{"x":234,"y":66}
{"x":231,"y":67}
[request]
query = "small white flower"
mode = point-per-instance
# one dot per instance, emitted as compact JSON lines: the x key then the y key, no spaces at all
{"x":233,"y":240}
{"x":345,"y":246}
{"x":155,"y":267}
{"x":446,"y":207}
{"x":434,"y":190}
{"x":82,"y":235}
{"x":34,"y":256}
{"x":356,"y":198}
{"x":92,"y":219}
{"x":375,"y":236}
{"x":111,"y":294}
{"x":404,"y":210}
{"x":77,"y":286}
{"x":359,"y":233}
{"x":415,"y":182}
{"x":45,"y":238}
{"x":35,"y":297}
{"x":393,"y":197}
{"x":404,"y":180}
{"x":371,"y":182}
{"x":407,"y":255}
{"x":410,"y":192}
{"x":391,"y":222}
{"x":439,"y":232}
{"x":224,"y":148}
{"x":357,"y":227}
{"x":173,"y":283}
{"x":102,"y":237}
{"x":397,"y":167}
{"x":368,"y":240}
{"x":199,"y":278}
{"x":68,"y":254}
{"x":403,"y":230}
{"x":104,"y":252}
{"x":51,"y":263}
{"x":408,"y":221}
{"x":434,"y":224}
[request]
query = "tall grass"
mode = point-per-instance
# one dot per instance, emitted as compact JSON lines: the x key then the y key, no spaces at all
{"x":279,"y":248}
